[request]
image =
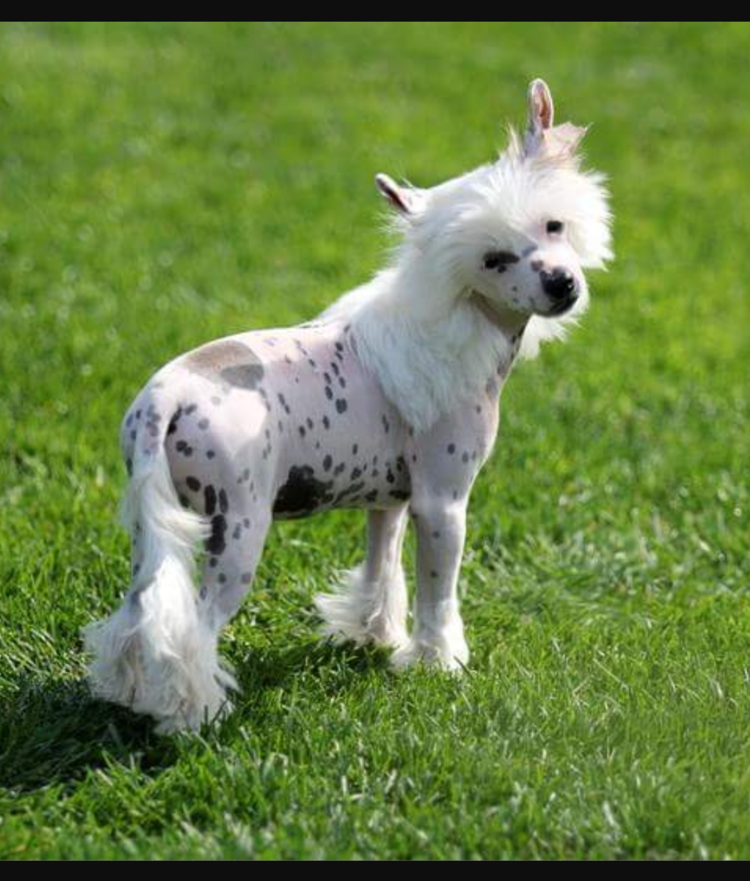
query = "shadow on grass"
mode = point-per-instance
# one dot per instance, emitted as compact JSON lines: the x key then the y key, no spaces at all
{"x":54,"y":733}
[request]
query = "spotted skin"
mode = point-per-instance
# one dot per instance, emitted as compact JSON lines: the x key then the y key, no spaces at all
{"x":288,"y":423}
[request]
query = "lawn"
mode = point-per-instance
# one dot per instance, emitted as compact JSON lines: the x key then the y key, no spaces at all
{"x":161,"y":185}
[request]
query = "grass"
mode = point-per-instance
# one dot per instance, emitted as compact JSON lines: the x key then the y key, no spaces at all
{"x":161,"y":185}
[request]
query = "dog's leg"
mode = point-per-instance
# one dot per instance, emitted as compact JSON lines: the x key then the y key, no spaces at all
{"x":438,"y":637}
{"x":233,"y":557}
{"x":371,"y":603}
{"x":156,"y":655}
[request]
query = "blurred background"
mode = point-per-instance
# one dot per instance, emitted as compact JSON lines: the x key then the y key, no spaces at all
{"x":165,"y":184}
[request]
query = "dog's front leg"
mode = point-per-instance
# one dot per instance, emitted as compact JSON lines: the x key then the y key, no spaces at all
{"x":438,"y":637}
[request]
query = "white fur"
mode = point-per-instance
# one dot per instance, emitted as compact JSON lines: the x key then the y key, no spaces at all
{"x":365,"y":611}
{"x":414,"y":323}
{"x":156,"y":654}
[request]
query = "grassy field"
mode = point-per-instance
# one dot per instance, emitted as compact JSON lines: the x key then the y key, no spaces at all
{"x":161,"y":185}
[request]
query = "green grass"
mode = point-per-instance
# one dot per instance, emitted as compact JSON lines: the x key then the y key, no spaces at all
{"x":161,"y":185}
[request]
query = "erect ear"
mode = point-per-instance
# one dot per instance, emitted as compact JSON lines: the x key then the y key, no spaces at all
{"x":541,"y":115}
{"x":542,"y":135}
{"x":405,"y":200}
{"x":564,"y":140}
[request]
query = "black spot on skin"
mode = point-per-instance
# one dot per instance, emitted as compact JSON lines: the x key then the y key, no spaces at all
{"x":244,"y":376}
{"x":356,"y":473}
{"x":465,"y":458}
{"x":329,"y":393}
{"x":326,"y":423}
{"x":302,"y":431}
{"x":213,"y":562}
{"x":327,"y":378}
{"x":342,"y":382}
{"x":350,"y":491}
{"x":335,"y":368}
{"x":400,"y":494}
{"x":209,"y":500}
{"x":310,"y":423}
{"x":210,"y":454}
{"x":371,"y":496}
{"x":339,"y":469}
{"x":451,"y":449}
{"x":204,"y":424}
{"x":194,"y":485}
{"x":500,"y":260}
{"x":341,"y":405}
{"x":223,"y":502}
{"x":246,"y":578}
{"x":191,"y":409}
{"x":386,"y":424}
{"x":217,"y":543}
{"x":436,"y":534}
{"x":181,"y":446}
{"x":302,"y":493}
{"x":222,"y":579}
{"x":355,"y":449}
{"x":228,"y":361}
{"x":237,"y":534}
{"x":433,"y":574}
{"x":175,"y":421}
{"x":129,"y":467}
{"x":327,"y":463}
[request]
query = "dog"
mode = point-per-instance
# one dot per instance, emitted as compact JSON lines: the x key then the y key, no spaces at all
{"x":388,"y":402}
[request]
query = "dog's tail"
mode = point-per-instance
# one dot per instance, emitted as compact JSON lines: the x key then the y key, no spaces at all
{"x":157,"y":655}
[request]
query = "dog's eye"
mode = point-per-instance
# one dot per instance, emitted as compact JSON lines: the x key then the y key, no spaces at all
{"x":555,"y":227}
{"x":498,"y":259}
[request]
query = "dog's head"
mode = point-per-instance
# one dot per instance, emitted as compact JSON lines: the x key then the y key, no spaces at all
{"x":520,"y":231}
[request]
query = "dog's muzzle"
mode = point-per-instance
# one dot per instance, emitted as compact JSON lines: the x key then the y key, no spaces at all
{"x":561,"y":287}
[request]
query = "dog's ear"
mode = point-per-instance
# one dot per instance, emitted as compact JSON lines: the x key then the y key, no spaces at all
{"x":564,"y":140}
{"x":542,"y":135}
{"x":405,"y":200}
{"x":541,"y":114}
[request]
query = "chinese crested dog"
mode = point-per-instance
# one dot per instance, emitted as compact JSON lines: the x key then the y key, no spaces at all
{"x":388,"y":402}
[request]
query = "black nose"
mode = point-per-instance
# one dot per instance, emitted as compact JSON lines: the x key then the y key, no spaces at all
{"x":559,"y":284}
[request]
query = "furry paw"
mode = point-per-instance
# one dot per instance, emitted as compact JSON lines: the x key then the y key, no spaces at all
{"x":451,"y":655}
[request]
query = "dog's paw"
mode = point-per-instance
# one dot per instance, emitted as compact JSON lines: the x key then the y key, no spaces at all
{"x":452,"y":655}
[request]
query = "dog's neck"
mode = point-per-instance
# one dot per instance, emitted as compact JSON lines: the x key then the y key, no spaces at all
{"x":511,"y":324}
{"x":430,"y":350}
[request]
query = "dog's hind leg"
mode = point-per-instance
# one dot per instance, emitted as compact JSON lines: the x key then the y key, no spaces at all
{"x":156,"y":654}
{"x":234,"y":549}
{"x":370,"y":604}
